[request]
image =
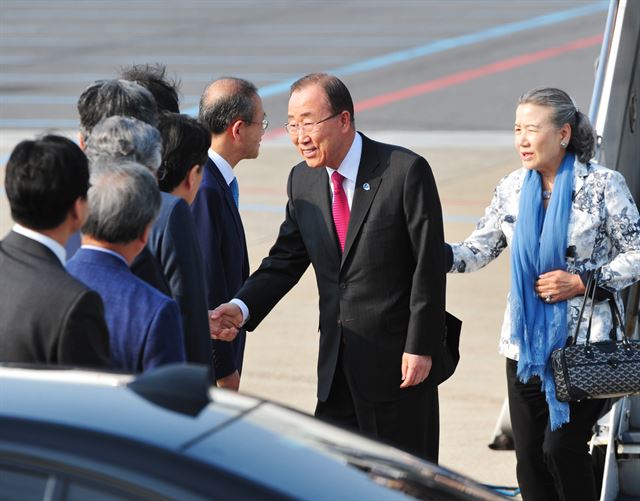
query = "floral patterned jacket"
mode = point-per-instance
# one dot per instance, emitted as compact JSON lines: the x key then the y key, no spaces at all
{"x":604,"y":232}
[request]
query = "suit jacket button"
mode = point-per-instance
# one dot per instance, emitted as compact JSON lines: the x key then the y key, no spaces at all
{"x":343,"y":285}
{"x":339,"y":323}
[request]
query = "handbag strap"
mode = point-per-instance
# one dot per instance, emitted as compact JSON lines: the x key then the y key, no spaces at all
{"x":616,"y":317}
{"x":588,"y":292}
{"x":618,"y":323}
{"x":594,"y":287}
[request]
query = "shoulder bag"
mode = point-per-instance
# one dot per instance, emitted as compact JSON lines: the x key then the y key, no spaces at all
{"x":604,"y":369}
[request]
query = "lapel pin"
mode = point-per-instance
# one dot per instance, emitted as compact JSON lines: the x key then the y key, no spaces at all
{"x":366,"y":187}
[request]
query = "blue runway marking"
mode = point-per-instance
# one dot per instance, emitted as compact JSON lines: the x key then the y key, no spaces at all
{"x":282,"y":86}
{"x":441,"y":46}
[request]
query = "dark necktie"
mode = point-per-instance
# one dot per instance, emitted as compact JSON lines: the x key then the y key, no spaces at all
{"x":234,"y":191}
{"x":340,"y":208}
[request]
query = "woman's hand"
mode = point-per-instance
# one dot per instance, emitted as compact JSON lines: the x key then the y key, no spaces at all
{"x":558,"y":285}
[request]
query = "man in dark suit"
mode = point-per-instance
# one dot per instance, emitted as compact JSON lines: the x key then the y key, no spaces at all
{"x":174,"y":239}
{"x":232,"y":111}
{"x":367,"y":216}
{"x":144,"y":324}
{"x":46,"y":315}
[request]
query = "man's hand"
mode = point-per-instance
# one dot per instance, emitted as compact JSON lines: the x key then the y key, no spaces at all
{"x":230,"y":382}
{"x":225,"y":322}
{"x":558,"y":285}
{"x":415,"y":369}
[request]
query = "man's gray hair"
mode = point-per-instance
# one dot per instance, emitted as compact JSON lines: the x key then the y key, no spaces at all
{"x":123,"y":199}
{"x":124,"y":138}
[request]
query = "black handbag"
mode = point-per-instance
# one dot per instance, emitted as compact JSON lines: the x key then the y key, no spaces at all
{"x":604,"y":369}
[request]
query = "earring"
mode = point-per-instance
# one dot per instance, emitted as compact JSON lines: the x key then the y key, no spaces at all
{"x":563,"y":144}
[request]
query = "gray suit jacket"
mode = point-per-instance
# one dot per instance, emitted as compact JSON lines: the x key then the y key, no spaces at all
{"x":385,"y":294}
{"x":46,"y":315}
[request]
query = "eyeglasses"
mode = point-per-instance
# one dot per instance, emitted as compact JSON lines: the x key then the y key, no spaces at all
{"x":307,"y":128}
{"x":264,"y":123}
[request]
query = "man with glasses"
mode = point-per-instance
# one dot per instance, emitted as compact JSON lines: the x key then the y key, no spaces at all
{"x":367,"y":216}
{"x":232,"y":111}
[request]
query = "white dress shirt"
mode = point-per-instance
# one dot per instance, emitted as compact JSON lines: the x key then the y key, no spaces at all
{"x":223,"y":166}
{"x":349,"y":169}
{"x":48,"y":242}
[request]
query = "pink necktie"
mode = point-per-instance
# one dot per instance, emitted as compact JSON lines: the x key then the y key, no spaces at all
{"x":340,"y":208}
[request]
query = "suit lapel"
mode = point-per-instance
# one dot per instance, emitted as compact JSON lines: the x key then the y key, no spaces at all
{"x":362,"y":198}
{"x":228,"y":197}
{"x":322,"y":194}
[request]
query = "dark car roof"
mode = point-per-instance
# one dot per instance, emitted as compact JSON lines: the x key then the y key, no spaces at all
{"x":284,"y":450}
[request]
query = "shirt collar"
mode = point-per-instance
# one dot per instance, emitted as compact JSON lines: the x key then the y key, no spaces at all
{"x":223,"y":166}
{"x":106,"y":251}
{"x":48,"y":242}
{"x":349,"y":166}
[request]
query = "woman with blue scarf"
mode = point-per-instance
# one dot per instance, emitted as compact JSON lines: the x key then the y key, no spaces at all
{"x":562,"y":217}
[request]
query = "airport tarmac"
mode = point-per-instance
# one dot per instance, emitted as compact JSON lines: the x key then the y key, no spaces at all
{"x":280,"y":360}
{"x":411,"y":67}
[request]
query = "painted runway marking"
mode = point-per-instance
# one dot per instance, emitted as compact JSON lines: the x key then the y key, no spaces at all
{"x":463,"y":76}
{"x":441,"y":46}
{"x":384,"y":99}
{"x":474,"y":73}
{"x":386,"y":60}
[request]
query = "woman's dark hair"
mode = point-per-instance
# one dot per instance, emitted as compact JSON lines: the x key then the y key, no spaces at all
{"x":44,"y":178}
{"x":583,"y":140}
{"x":185,"y":143}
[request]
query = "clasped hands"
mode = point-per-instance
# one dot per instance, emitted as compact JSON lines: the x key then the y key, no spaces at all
{"x":225,"y":322}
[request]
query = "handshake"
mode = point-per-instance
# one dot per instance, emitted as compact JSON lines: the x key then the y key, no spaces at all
{"x":225,"y":322}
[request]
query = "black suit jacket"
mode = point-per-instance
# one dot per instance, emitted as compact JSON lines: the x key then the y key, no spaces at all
{"x":46,"y":315}
{"x":224,"y":252}
{"x":385,"y":294}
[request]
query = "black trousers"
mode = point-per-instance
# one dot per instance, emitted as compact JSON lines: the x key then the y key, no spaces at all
{"x":410,"y":423}
{"x":551,"y":465}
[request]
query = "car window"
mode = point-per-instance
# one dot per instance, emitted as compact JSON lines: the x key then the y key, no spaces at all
{"x":81,"y":492}
{"x":17,"y":484}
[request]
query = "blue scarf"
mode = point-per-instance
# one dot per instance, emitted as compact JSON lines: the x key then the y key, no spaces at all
{"x":539,"y":246}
